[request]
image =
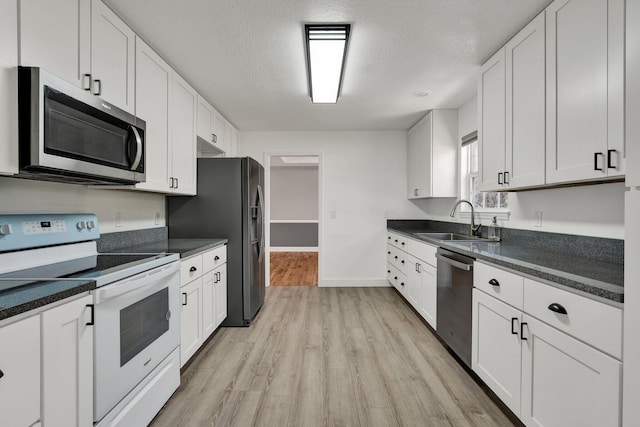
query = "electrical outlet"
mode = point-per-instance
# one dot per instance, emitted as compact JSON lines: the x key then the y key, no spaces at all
{"x":157,"y":218}
{"x":118,"y":219}
{"x":538,"y":219}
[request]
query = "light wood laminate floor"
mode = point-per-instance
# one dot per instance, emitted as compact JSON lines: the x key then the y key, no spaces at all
{"x":293,"y":269}
{"x":329,"y":357}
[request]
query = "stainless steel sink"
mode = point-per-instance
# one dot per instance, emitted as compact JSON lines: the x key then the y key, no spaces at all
{"x":449,"y":236}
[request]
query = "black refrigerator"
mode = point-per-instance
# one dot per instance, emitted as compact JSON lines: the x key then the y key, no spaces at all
{"x":229,"y":204}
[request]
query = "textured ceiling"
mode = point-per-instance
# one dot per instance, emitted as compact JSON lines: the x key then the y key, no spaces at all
{"x":247,"y":56}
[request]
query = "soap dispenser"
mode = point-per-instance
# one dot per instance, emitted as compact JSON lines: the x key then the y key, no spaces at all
{"x":494,"y":230}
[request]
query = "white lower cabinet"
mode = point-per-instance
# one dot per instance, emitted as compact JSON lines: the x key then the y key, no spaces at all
{"x":547,"y":375}
{"x":204,"y":299}
{"x":566,"y":382}
{"x":46,"y":365}
{"x":496,"y":355}
{"x":67,"y":364}
{"x":411,"y":269}
{"x":20,"y":373}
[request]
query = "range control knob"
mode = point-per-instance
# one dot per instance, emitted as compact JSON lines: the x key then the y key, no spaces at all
{"x":81,"y":225}
{"x":5,"y":229}
{"x":91,"y":224}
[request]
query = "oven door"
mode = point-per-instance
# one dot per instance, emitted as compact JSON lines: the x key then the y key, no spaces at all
{"x":137,"y":325}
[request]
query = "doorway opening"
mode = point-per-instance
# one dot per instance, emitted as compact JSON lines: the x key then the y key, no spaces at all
{"x":293,"y":220}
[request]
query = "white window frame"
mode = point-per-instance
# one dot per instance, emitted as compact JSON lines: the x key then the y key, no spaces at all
{"x":466,"y":176}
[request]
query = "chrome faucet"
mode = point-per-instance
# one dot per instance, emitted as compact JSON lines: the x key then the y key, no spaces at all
{"x":475,"y":229}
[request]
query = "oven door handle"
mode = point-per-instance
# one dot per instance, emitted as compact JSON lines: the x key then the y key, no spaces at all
{"x":454,"y":263}
{"x":137,"y":282}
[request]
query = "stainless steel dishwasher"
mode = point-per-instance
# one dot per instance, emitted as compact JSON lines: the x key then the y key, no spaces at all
{"x":455,"y":286}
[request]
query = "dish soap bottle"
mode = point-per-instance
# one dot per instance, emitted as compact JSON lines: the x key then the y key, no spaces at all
{"x":494,"y":230}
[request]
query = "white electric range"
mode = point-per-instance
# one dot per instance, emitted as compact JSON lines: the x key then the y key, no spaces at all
{"x":136,"y":308}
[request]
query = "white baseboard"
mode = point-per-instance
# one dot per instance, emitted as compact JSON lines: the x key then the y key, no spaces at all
{"x":354,"y":283}
{"x":293,"y":249}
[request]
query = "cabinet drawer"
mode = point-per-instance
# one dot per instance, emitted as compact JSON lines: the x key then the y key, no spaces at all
{"x":190,"y":269}
{"x":397,"y":258}
{"x":423,"y":251}
{"x":397,"y":240}
{"x":396,"y":278}
{"x":507,"y":287}
{"x":593,"y":322}
{"x":214,"y":258}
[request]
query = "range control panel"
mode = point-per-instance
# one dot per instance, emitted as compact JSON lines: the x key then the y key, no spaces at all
{"x":38,"y":230}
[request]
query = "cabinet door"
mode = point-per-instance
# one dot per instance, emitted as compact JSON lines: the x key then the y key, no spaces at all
{"x":190,"y":320}
{"x":413,"y":283}
{"x":67,"y":365}
{"x":221,"y":294}
{"x":491,"y":123}
{"x":428,"y":297}
{"x":413,"y":139}
{"x":632,"y":95}
{"x":444,"y":149}
{"x":584,"y":89}
{"x":112,"y":57}
{"x":205,"y":119}
{"x":496,"y":352}
{"x":424,"y":157}
{"x":227,"y":138}
{"x":218,"y":130}
{"x":56,"y":36}
{"x":184,"y":106}
{"x":208,"y":304}
{"x":525,"y":131}
{"x":9,"y":88}
{"x":20,"y":373}
{"x":566,"y":382}
{"x":153,"y":91}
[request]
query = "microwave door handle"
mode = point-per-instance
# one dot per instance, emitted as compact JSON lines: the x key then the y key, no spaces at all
{"x":136,"y":161}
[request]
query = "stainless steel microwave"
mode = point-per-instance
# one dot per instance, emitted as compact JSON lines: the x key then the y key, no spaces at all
{"x":68,"y":134}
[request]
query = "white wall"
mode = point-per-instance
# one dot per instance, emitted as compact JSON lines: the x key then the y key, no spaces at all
{"x":593,"y":210}
{"x":363,"y":181}
{"x":138,"y":209}
{"x":294,"y":193}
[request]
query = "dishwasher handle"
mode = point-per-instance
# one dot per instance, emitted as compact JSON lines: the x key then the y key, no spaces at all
{"x":454,"y":263}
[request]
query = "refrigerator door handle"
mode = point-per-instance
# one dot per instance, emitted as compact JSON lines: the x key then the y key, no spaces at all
{"x":261,"y":223}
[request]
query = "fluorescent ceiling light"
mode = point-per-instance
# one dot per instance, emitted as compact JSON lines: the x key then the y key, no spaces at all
{"x":326,"y":52}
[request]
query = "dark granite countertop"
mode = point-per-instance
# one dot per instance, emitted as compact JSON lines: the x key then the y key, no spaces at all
{"x":571,"y":269}
{"x":28,"y":296}
{"x":183,"y":247}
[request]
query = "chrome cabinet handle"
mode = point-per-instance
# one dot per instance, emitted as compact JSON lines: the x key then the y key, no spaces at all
{"x":557,"y":308}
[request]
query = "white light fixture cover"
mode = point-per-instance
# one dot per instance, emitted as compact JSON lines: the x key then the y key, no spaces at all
{"x":326,"y":51}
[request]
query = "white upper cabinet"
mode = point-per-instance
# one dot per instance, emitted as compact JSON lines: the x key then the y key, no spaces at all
{"x":8,"y":87}
{"x":585,"y":90}
{"x":210,"y":129}
{"x":153,"y":100}
{"x":491,"y":123}
{"x":233,"y":149}
{"x":184,"y":104}
{"x":632,"y":86}
{"x":83,"y":42}
{"x":112,"y":57}
{"x":511,"y":101}
{"x":525,"y":107}
{"x":432,"y":156}
{"x":61,"y":45}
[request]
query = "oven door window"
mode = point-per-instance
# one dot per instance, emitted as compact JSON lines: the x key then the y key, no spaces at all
{"x":142,"y":323}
